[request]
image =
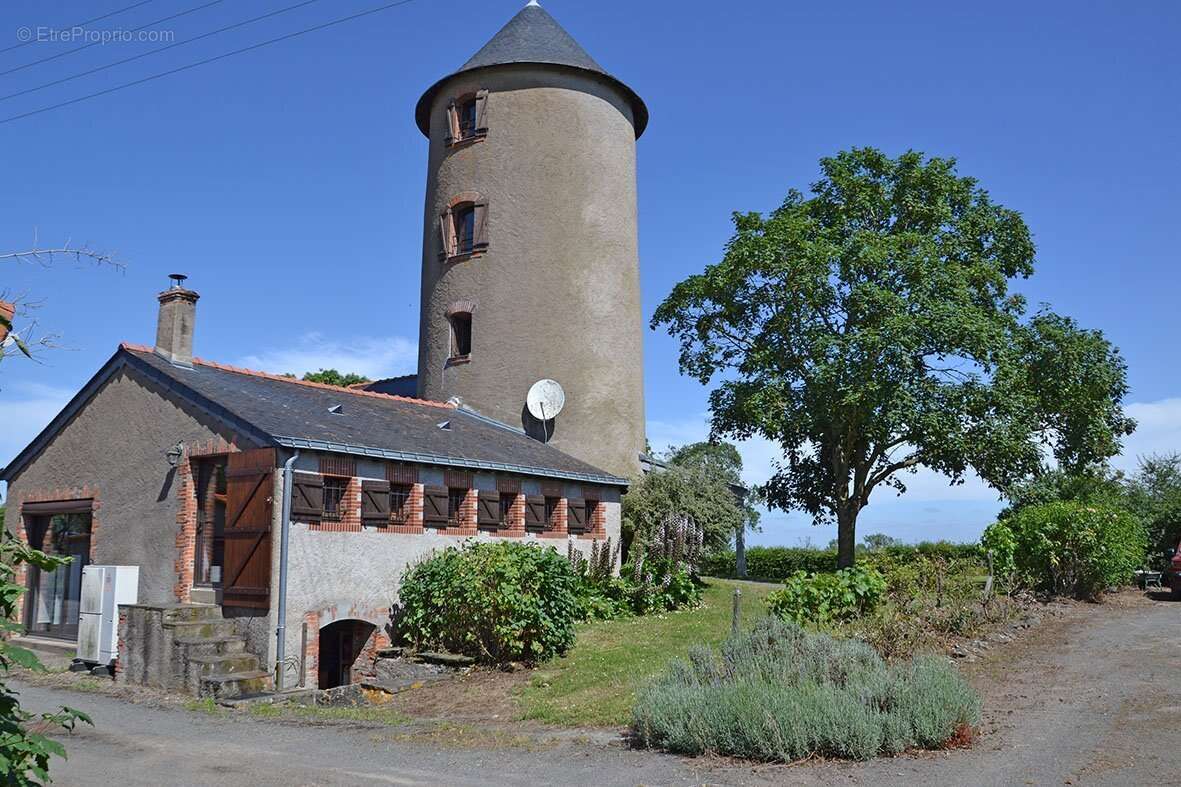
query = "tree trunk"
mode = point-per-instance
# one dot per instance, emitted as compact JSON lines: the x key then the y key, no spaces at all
{"x":740,"y":550}
{"x":846,"y":537}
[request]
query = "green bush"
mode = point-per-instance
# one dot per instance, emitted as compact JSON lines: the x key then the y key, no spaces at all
{"x":775,"y":564}
{"x":825,"y":598}
{"x":779,"y":693}
{"x":499,"y":602}
{"x":1068,"y":547}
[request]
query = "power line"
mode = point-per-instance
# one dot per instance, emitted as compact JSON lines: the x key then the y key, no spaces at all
{"x":96,"y":43}
{"x":207,"y":61}
{"x":81,"y":24}
{"x":157,"y":51}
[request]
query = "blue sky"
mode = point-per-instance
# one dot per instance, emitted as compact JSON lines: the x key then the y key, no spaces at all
{"x":288,"y":182}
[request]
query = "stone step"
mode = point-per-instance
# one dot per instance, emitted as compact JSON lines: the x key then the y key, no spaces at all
{"x":188,"y":613}
{"x":209,"y":666}
{"x":203,"y":629}
{"x":211,"y":646}
{"x":238,"y":684}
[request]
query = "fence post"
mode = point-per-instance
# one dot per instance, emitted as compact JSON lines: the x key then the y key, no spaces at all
{"x":737,"y":613}
{"x":303,"y":656}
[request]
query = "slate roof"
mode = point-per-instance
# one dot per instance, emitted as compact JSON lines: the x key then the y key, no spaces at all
{"x":295,"y":414}
{"x":533,"y":36}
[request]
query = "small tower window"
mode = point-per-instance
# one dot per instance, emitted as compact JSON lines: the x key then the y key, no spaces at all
{"x":465,"y":229}
{"x":467,"y":118}
{"x":461,"y":334}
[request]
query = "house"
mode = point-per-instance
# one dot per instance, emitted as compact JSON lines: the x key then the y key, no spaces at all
{"x":184,"y":467}
{"x":291,"y":509}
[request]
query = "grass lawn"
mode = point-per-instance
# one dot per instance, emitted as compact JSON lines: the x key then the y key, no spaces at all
{"x":594,"y":683}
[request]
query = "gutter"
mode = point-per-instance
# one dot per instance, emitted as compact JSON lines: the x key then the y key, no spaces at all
{"x":285,"y":530}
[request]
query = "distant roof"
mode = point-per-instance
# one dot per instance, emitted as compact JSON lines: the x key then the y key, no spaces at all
{"x":533,"y":36}
{"x":275,"y":410}
{"x":406,"y":386}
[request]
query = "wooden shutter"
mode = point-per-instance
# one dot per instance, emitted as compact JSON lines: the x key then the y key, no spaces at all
{"x":307,"y":497}
{"x":482,"y":112}
{"x":434,"y":505}
{"x":535,"y":512}
{"x":480,"y":236}
{"x":488,"y":512}
{"x":375,"y":502}
{"x":446,"y":234}
{"x":575,"y":516}
{"x":452,"y":123}
{"x":246,"y":579}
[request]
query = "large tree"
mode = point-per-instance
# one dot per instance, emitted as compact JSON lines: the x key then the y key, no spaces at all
{"x":869,"y":330}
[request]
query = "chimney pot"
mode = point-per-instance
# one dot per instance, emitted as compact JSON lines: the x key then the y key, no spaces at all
{"x":174,"y":328}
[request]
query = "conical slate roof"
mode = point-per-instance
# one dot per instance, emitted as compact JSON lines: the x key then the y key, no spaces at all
{"x":533,"y":36}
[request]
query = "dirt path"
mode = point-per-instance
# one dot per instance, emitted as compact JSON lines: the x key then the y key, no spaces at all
{"x":1089,"y":697}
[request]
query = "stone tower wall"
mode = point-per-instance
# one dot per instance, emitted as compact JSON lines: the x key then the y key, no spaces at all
{"x":557,"y":294}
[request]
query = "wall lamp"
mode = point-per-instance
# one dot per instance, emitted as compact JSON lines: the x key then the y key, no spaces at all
{"x":175,"y":453}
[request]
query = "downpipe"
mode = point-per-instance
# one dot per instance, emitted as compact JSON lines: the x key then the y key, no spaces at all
{"x":284,"y":531}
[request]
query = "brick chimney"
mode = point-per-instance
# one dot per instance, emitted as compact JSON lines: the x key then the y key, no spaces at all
{"x":174,"y":328}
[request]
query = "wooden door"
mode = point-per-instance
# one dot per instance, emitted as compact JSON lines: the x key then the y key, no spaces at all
{"x":250,"y":477}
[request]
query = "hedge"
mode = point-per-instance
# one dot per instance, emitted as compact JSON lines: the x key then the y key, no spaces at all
{"x":775,"y":564}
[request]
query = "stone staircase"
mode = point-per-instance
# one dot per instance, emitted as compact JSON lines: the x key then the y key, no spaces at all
{"x":188,"y":648}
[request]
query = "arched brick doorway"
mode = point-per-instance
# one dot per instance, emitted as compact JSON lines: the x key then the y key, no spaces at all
{"x":341,"y":643}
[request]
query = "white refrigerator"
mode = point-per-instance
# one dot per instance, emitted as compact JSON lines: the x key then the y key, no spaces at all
{"x":104,"y":588}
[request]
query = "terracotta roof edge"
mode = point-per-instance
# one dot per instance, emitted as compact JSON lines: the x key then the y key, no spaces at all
{"x":294,"y":381}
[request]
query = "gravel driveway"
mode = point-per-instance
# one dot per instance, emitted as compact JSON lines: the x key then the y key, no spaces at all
{"x":1088,"y":697}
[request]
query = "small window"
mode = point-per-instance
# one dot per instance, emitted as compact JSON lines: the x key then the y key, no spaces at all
{"x":461,"y":334}
{"x":465,"y":228}
{"x":591,"y":507}
{"x":399,"y":503}
{"x":507,"y":501}
{"x":467,"y":117}
{"x":455,"y":498}
{"x":551,"y":505}
{"x":334,"y":488}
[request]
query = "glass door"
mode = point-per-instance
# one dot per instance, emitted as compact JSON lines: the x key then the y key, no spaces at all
{"x":53,"y":597}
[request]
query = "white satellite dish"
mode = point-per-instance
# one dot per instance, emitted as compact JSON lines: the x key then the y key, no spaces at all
{"x":545,"y":400}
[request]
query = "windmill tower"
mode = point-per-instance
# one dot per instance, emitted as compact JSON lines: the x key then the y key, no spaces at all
{"x":530,"y":264}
